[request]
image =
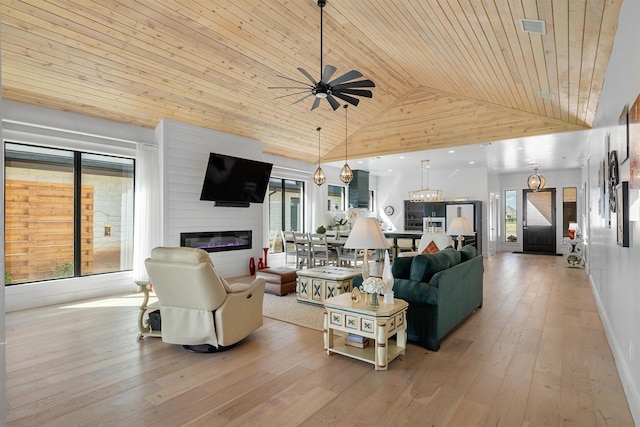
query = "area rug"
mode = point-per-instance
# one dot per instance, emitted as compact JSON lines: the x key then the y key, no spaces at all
{"x":288,"y":309}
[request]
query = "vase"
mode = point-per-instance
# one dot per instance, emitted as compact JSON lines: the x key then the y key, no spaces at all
{"x":373,"y":300}
{"x":266,"y":251}
{"x":252,"y":266}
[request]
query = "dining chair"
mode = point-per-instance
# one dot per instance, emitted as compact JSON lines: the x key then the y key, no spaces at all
{"x":304,"y":255}
{"x":349,"y":257}
{"x":321,"y":253}
{"x":289,"y":246}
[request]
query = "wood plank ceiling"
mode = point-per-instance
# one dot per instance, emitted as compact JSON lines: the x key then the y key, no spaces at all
{"x":447,"y":72}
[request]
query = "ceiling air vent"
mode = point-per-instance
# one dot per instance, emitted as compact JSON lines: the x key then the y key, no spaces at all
{"x":534,"y":26}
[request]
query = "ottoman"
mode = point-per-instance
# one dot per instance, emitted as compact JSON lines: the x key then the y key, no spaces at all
{"x":278,"y":280}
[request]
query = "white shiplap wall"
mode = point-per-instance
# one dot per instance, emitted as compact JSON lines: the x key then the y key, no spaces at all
{"x":184,"y":155}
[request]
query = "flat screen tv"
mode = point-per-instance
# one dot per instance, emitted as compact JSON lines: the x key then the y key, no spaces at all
{"x":232,"y":181}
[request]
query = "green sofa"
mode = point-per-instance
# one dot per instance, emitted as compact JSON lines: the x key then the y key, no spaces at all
{"x":443,"y":289}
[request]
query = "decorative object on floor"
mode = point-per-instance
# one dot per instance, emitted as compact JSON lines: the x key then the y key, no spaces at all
{"x":387,"y":278}
{"x":373,"y":286}
{"x":536,"y":182}
{"x":366,"y":234}
{"x":341,"y":87}
{"x":460,"y":227}
{"x":346,"y":174}
{"x":266,"y":252}
{"x":425,"y":194}
{"x":319,"y":177}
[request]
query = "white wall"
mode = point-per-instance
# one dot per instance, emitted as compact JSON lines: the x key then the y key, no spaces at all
{"x":614,"y":270}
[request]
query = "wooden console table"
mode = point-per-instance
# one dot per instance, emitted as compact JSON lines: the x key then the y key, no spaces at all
{"x":314,"y":285}
{"x":378,"y":324}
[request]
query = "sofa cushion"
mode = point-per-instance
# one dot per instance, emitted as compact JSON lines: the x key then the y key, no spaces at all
{"x":431,"y":248}
{"x":468,"y":252}
{"x":401,"y":268}
{"x":424,"y":267}
{"x":454,"y":256}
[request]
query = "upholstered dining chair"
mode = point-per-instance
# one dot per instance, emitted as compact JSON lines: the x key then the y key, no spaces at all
{"x":198,"y":308}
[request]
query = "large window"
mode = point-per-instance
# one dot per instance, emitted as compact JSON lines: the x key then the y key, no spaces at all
{"x":285,"y":209}
{"x":67,"y":213}
{"x":510,"y":216}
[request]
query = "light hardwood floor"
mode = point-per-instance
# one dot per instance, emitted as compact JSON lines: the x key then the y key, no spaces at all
{"x":535,"y":354}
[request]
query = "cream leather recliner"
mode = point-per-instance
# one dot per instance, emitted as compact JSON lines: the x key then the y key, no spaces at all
{"x":197,"y":306}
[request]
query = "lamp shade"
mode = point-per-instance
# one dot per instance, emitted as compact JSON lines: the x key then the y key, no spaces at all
{"x":460,"y":227}
{"x":366,"y":234}
{"x":573,"y":226}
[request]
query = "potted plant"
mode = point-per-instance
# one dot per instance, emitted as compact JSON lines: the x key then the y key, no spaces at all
{"x":321,"y":230}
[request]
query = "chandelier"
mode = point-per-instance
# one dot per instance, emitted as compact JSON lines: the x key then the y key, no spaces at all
{"x":346,"y":174}
{"x":536,"y":182}
{"x":425,"y":194}
{"x":319,"y":177}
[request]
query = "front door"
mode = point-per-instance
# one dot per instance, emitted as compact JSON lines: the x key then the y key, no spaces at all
{"x":539,"y":221}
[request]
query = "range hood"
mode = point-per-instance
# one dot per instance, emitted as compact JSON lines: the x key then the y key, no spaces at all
{"x":359,"y":190}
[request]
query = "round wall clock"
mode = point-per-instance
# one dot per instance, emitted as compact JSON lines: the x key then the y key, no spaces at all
{"x":388,"y":210}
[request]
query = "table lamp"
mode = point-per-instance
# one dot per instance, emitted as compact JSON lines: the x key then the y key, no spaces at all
{"x":573,"y":228}
{"x":460,"y":227}
{"x":366,"y":234}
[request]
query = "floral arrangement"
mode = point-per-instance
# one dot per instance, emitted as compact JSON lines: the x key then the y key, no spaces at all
{"x":340,"y":222}
{"x":373,"y":285}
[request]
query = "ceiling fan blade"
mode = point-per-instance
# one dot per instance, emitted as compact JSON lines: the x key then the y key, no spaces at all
{"x":350,"y":75}
{"x":304,"y":97}
{"x":334,"y":104}
{"x":291,"y":94}
{"x":357,"y":92}
{"x":350,"y":99}
{"x":359,"y":83}
{"x":316,"y":103}
{"x":287,"y":87}
{"x":307,"y":75}
{"x":293,"y":80}
{"x":328,"y":73}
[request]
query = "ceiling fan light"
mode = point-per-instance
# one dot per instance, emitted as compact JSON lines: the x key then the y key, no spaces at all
{"x":319,"y":177}
{"x":346,"y":174}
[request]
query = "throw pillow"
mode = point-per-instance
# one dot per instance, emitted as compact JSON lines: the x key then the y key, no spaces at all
{"x":468,"y":252}
{"x":425,"y":266}
{"x":454,"y":256}
{"x":431,"y":248}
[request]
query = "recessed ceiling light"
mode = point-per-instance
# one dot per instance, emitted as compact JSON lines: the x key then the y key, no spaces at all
{"x":360,"y":162}
{"x":472,"y":162}
{"x":520,"y":148}
{"x":452,"y":151}
{"x":389,"y":170}
{"x":401,"y":157}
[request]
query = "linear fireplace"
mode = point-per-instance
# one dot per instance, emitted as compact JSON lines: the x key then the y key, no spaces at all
{"x":217,"y":241}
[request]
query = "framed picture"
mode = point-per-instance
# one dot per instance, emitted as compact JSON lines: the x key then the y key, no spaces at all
{"x":622,"y":213}
{"x":634,"y":145}
{"x":623,"y":135}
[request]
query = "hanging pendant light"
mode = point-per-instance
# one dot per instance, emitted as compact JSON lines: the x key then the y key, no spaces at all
{"x":425,"y":194}
{"x":346,"y":174}
{"x":536,"y":182}
{"x":319,"y":177}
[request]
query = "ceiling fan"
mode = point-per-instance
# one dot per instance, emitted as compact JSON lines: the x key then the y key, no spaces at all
{"x":342,"y":87}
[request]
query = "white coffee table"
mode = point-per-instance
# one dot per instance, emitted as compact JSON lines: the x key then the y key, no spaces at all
{"x":379,"y":324}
